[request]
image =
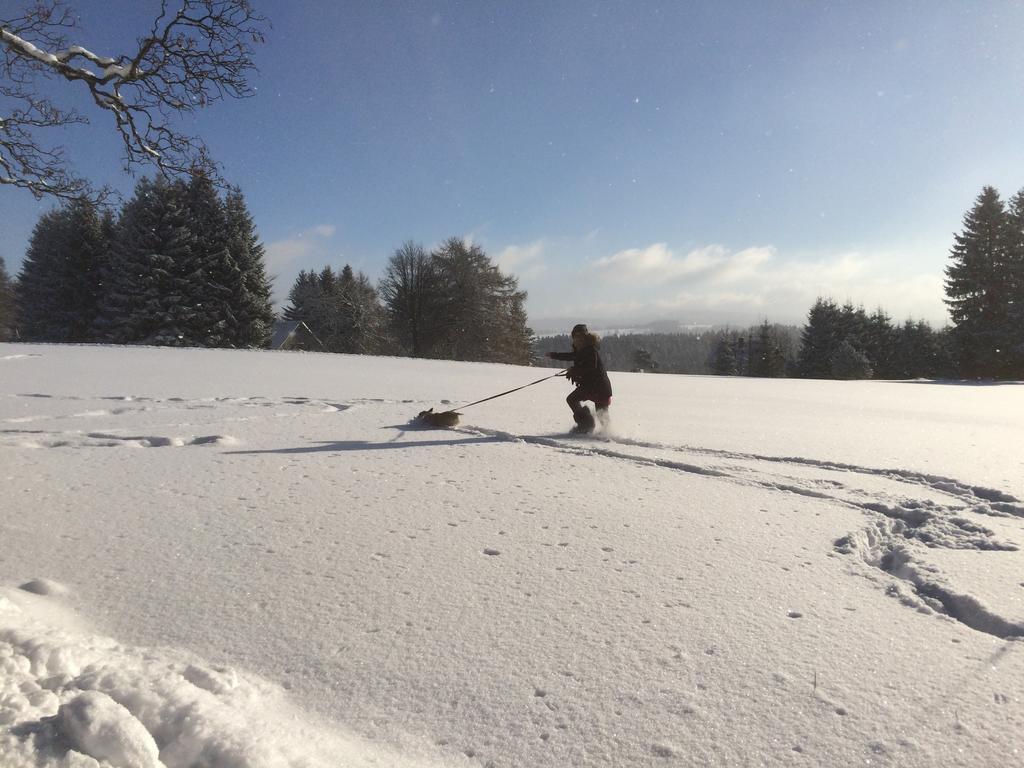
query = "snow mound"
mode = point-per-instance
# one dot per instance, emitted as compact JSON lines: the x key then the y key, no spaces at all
{"x":71,"y":698}
{"x":99,"y":727}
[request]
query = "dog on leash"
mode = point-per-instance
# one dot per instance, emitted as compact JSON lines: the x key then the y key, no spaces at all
{"x":442,"y":419}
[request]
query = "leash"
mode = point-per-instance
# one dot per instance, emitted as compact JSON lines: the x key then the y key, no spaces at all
{"x":509,"y":392}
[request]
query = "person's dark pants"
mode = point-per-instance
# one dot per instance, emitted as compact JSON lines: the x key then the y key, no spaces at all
{"x":580,"y":413}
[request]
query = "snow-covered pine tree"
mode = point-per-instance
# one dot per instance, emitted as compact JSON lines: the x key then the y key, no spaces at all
{"x":6,"y":303}
{"x":59,"y":286}
{"x":253,"y":310}
{"x":147,"y":297}
{"x":978,"y":281}
{"x":209,"y":267}
{"x":38,"y":287}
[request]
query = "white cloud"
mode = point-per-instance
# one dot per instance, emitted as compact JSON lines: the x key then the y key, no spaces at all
{"x":524,"y":261}
{"x":713,"y":284}
{"x":282,"y":255}
{"x":742,"y":265}
{"x":657,"y":263}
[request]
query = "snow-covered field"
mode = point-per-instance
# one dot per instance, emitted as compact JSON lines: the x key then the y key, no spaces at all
{"x":216,"y":558}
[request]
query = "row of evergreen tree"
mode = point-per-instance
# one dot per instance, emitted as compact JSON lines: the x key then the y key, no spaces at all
{"x":178,"y":266}
{"x":452,"y":303}
{"x":843,"y":342}
{"x":181,"y":266}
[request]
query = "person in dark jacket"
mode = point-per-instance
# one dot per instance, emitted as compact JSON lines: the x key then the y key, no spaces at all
{"x":588,"y":374}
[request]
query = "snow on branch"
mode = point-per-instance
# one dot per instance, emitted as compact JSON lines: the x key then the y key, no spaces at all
{"x":190,"y":58}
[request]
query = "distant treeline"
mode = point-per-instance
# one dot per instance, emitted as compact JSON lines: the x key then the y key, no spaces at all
{"x":837,"y":343}
{"x":984,"y":292}
{"x":765,"y":350}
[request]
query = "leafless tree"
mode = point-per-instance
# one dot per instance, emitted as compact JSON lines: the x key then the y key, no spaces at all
{"x":190,"y":57}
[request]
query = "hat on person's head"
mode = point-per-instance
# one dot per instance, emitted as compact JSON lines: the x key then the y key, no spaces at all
{"x":580,"y":329}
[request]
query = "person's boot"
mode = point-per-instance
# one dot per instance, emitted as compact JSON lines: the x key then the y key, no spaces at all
{"x":584,"y":421}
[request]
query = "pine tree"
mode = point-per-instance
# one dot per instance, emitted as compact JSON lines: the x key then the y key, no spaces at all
{"x":854,"y":326}
{"x":767,"y":358}
{"x":321,"y":310}
{"x":301,"y":297}
{"x":977,"y":288}
{"x":38,"y":287}
{"x":359,"y":319}
{"x":724,"y":360}
{"x":60,"y":285}
{"x":848,"y":362}
{"x":820,"y":339}
{"x":209,"y":267}
{"x":880,"y":345}
{"x":7,"y":316}
{"x":643,"y":361}
{"x":921,"y":353}
{"x":1015,"y":287}
{"x":250,"y":292}
{"x":148,"y":282}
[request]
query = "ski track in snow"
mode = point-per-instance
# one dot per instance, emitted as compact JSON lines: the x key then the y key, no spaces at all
{"x":908,"y":511}
{"x":900,"y":521}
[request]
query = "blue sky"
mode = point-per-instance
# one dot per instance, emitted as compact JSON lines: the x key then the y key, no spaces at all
{"x":629,"y":161}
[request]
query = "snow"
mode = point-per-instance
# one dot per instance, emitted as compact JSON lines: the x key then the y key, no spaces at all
{"x":26,"y":48}
{"x":111,"y":68}
{"x":240,"y":558}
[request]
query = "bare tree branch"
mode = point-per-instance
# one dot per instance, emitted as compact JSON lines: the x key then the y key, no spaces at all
{"x":190,"y":58}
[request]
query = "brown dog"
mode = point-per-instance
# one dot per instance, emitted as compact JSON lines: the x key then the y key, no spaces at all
{"x":442,"y":419}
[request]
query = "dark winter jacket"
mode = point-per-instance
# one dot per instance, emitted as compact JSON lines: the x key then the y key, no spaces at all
{"x":587,"y":371}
